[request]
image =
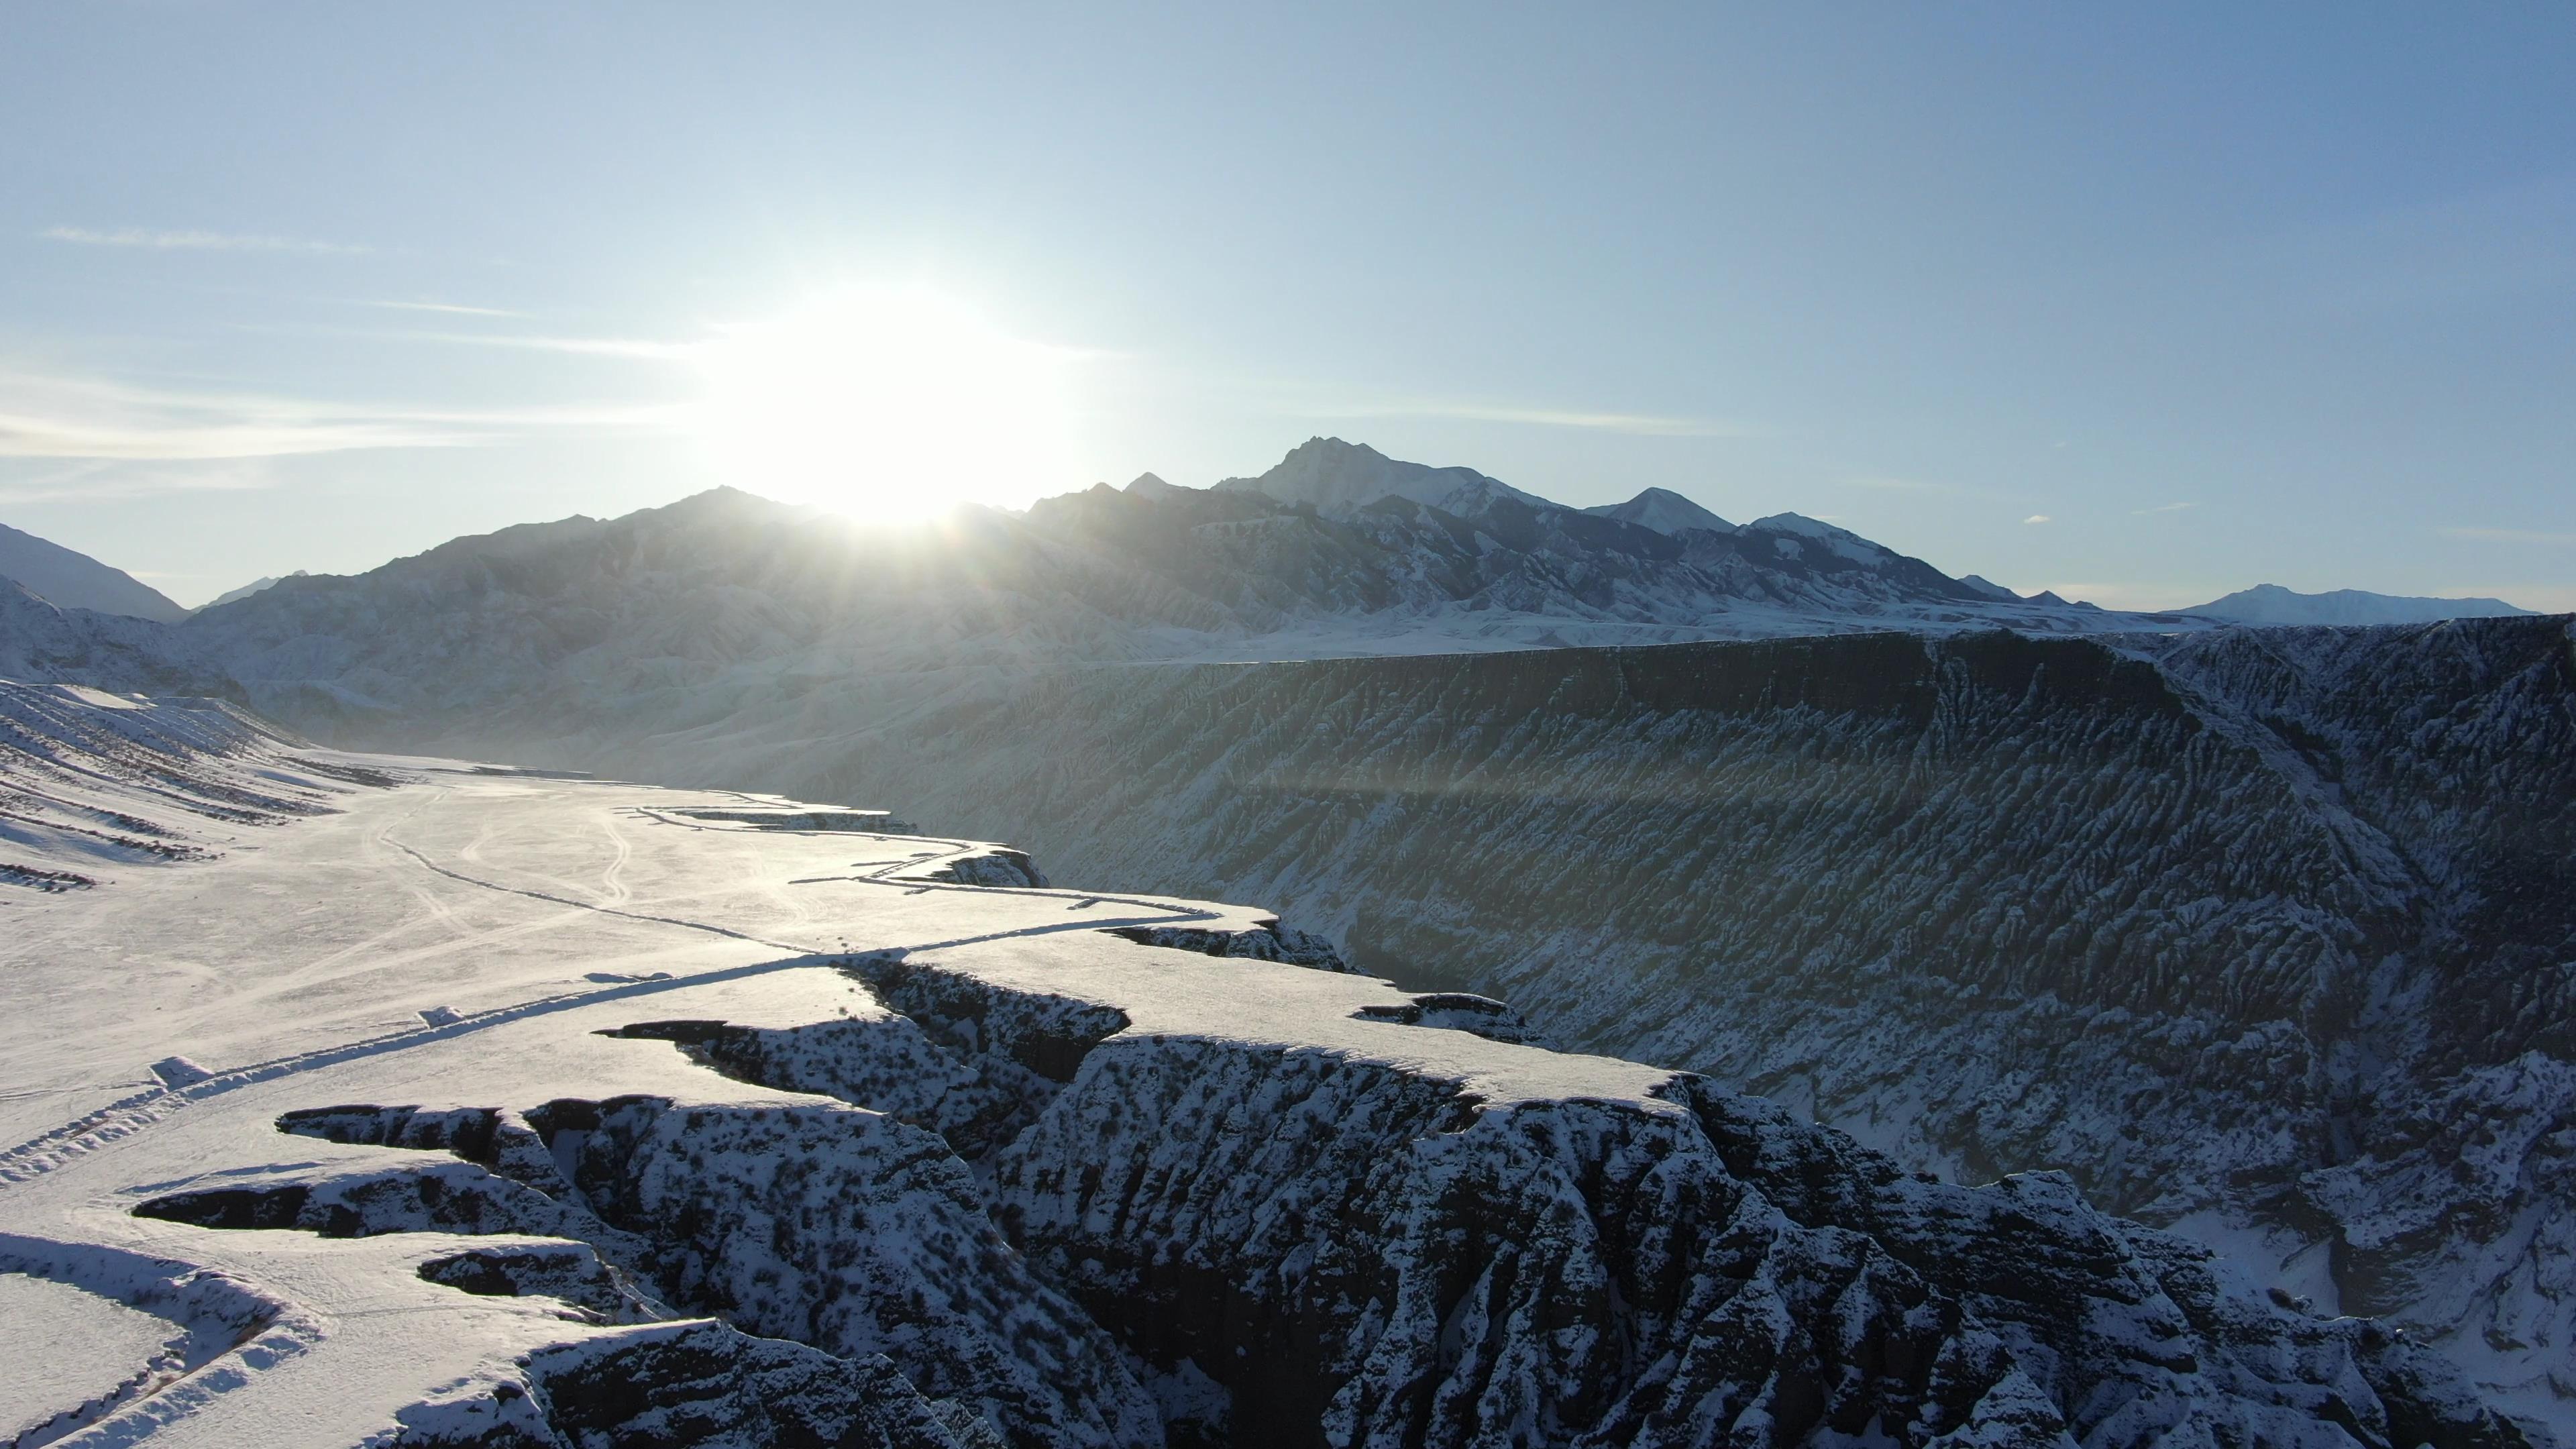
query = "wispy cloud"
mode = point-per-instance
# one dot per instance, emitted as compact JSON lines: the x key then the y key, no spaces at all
{"x":99,"y":481}
{"x":642,"y":348}
{"x":2511,"y":535}
{"x":454,"y":309}
{"x":215,"y":241}
{"x":2161,"y":508}
{"x":47,"y":416}
{"x":2037,"y":518}
{"x":1890,"y":483}
{"x":1640,"y":424}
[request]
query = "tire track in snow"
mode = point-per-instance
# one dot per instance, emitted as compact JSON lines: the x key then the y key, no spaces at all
{"x":612,"y":880}
{"x":144,"y":1110}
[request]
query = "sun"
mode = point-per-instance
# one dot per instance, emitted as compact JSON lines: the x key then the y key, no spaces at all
{"x":885,"y":404}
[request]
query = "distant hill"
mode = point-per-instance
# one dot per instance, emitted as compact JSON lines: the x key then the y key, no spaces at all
{"x":248,"y":589}
{"x":76,"y":581}
{"x":1664,"y":511}
{"x":2272,"y":604}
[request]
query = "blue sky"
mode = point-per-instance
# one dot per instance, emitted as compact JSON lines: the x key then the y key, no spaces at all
{"x":2223,"y":294}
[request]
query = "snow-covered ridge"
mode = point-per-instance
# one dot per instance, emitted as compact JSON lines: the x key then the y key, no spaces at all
{"x":869,"y":1157}
{"x":92,"y":782}
{"x":74,"y":580}
{"x":2272,"y":604}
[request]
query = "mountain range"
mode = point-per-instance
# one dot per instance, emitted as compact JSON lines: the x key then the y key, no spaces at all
{"x":1403,"y":548}
{"x":2265,"y":935}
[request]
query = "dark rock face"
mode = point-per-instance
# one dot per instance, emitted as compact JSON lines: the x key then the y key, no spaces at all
{"x":2273,"y":927}
{"x":1273,"y":942}
{"x":696,"y":1385}
{"x":992,"y":868}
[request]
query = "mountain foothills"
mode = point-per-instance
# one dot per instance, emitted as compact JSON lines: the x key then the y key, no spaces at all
{"x":2272,"y":604}
{"x":2265,"y":937}
{"x":493,"y":1110}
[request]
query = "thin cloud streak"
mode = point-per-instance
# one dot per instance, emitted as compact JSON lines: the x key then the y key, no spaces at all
{"x":2037,"y":518}
{"x":104,"y":481}
{"x":1638,"y":424}
{"x":136,"y":236}
{"x":2510,"y":535}
{"x":643,"y":349}
{"x":456,"y":309}
{"x":53,"y":417}
{"x":2161,"y":508}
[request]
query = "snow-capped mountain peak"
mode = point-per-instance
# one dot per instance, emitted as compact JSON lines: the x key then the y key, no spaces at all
{"x":1841,"y":542}
{"x":1150,"y":485}
{"x":1664,"y":511}
{"x":1339,"y":479}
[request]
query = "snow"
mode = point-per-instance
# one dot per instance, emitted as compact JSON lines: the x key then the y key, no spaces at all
{"x":2296,"y":869}
{"x":294,"y":967}
{"x":1842,"y":542}
{"x":1664,"y":511}
{"x":1338,"y":479}
{"x":90,"y":1347}
{"x":804,"y":1076}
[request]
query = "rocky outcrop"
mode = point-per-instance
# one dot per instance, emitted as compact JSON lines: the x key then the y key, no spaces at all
{"x":844,"y":1230}
{"x":695,"y":1385}
{"x":1272,"y":942}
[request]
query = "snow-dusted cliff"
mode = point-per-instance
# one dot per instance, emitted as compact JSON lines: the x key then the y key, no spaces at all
{"x":2267,"y":935}
{"x":503,"y":1110}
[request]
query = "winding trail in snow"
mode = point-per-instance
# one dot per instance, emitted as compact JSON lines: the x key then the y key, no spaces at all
{"x":140,"y":1112}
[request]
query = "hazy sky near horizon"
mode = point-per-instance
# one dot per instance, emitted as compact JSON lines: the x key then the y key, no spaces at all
{"x":2143,"y":304}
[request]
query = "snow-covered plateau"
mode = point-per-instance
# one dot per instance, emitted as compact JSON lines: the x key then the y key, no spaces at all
{"x":428,"y":1103}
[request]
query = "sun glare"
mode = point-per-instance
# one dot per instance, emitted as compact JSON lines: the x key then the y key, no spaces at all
{"x":885,"y":404}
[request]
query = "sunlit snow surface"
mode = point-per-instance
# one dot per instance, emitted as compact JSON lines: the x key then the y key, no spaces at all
{"x":297,"y":965}
{"x":482,"y":1058}
{"x":90,"y":1345}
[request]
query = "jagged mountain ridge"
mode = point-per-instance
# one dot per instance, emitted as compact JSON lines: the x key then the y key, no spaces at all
{"x":727,"y":607}
{"x":253,"y":587}
{"x":2254,"y":932}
